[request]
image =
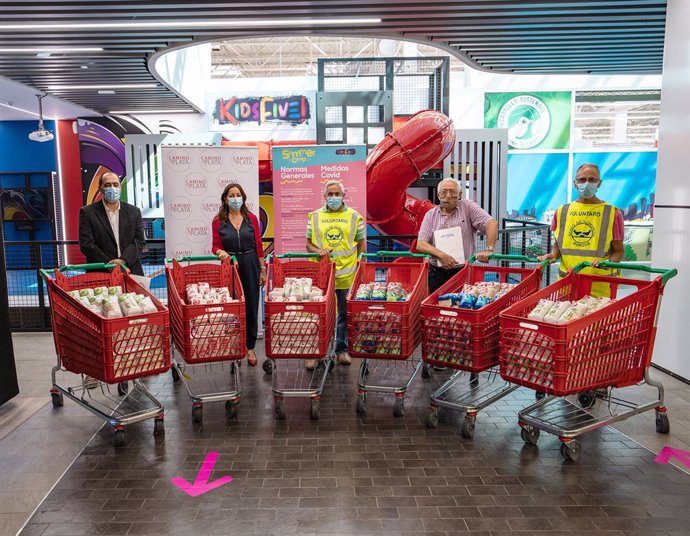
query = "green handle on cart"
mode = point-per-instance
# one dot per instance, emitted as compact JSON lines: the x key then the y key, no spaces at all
{"x":394,"y":254}
{"x":517,"y":258}
{"x":192,"y":258}
{"x":666,"y":273}
{"x":93,"y":266}
{"x":294,"y":256}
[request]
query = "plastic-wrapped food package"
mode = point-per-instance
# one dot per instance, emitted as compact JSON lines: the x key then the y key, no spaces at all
{"x":363,"y":291}
{"x":557,"y":309}
{"x":128,"y":305}
{"x":88,"y":292}
{"x":145,"y":303}
{"x":100,"y":291}
{"x":111,"y":308}
{"x":115,"y":290}
{"x":539,"y":312}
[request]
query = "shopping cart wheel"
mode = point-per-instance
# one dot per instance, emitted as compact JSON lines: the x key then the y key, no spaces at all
{"x":158,"y":427}
{"x":361,"y":403}
{"x":58,"y":400}
{"x":197,"y":414}
{"x":663,"y":426}
{"x":315,"y":411}
{"x":432,"y":418}
{"x":280,"y":410}
{"x":231,"y":408}
{"x":399,"y":407}
{"x":571,"y":450}
{"x":586,"y":400}
{"x":539,"y":395}
{"x":175,"y":374}
{"x":530,"y":436}
{"x":474,"y":379}
{"x":119,"y":438}
{"x":122,"y":388}
{"x":467,"y":428}
{"x":426,"y":373}
{"x":267,"y":365}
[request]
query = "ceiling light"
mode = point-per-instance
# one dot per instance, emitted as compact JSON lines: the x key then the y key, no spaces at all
{"x":106,"y":92}
{"x":104,"y":86}
{"x":49,"y":50}
{"x":173,"y":111}
{"x":232,"y":23}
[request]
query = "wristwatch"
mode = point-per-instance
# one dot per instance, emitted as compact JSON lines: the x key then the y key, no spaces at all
{"x":489,"y":248}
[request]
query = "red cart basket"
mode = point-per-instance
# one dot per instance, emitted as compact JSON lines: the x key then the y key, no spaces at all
{"x":467,"y":339}
{"x":609,"y":348}
{"x":110,"y":350}
{"x":387,"y":331}
{"x":205,"y":334}
{"x":296,"y":330}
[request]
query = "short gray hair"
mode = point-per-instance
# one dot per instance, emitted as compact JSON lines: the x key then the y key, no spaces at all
{"x":451,"y":180}
{"x":333,"y":182}
{"x":586,"y":165}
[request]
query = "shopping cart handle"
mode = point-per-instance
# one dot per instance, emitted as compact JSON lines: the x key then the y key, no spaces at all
{"x":93,"y":266}
{"x":192,"y":258}
{"x":666,"y":273}
{"x":296,"y":256}
{"x":394,"y":254}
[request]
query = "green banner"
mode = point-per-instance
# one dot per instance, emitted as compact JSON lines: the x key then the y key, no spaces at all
{"x":535,"y":120}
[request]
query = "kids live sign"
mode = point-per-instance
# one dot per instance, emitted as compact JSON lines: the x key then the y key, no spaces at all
{"x":293,"y":110}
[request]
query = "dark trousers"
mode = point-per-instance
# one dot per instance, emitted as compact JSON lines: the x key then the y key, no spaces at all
{"x":439,"y":277}
{"x":341,"y":322}
{"x":249,"y":270}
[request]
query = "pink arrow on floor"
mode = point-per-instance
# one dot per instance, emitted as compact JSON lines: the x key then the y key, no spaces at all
{"x":667,"y":453}
{"x":201,"y":484}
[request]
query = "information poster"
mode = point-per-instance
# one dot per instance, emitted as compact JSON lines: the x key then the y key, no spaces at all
{"x":193,"y":180}
{"x":299,"y":175}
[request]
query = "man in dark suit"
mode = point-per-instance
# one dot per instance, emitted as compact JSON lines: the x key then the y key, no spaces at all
{"x":99,"y":221}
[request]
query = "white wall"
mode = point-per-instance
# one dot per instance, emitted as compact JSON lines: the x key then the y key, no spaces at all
{"x":672,"y":207}
{"x":187,"y":71}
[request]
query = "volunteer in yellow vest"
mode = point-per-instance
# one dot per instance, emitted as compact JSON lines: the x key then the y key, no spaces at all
{"x":588,"y":229}
{"x":339,"y":230}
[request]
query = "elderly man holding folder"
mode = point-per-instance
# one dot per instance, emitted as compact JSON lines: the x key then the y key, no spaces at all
{"x":448,"y":233}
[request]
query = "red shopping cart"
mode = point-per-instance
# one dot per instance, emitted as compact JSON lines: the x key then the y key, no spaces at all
{"x":207,"y":336}
{"x":112,"y":351}
{"x":466,"y":340}
{"x":387,"y":332}
{"x":297,"y":330}
{"x":589,"y":357}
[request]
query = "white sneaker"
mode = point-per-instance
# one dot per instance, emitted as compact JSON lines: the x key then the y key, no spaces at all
{"x":344,"y":358}
{"x":310,"y":364}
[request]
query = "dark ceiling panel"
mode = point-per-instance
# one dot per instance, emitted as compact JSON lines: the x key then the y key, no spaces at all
{"x":576,"y":36}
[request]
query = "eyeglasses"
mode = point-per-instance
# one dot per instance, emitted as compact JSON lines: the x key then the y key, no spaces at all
{"x":448,"y":193}
{"x":584,"y":180}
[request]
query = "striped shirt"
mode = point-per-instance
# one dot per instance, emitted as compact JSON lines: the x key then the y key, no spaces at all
{"x":468,"y":215}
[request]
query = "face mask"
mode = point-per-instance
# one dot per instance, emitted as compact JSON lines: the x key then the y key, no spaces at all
{"x":334,"y":203}
{"x":111,"y":194}
{"x":235,"y":203}
{"x":587,"y":190}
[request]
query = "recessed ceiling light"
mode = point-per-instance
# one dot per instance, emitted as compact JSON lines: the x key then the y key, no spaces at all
{"x":48,"y":50}
{"x":104,"y":86}
{"x":232,"y":23}
{"x":106,"y":92}
{"x":172,"y":111}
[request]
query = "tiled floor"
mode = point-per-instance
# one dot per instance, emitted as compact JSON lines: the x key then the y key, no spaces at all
{"x":343,"y":474}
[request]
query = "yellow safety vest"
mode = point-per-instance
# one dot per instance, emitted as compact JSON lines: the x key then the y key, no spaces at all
{"x":337,"y":231}
{"x":584,"y":232}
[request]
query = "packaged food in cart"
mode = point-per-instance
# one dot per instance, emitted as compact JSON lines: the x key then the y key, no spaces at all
{"x":383,"y":321}
{"x":95,"y":339}
{"x":462,"y":333}
{"x":299,"y":317}
{"x":605,"y":343}
{"x":207,"y":316}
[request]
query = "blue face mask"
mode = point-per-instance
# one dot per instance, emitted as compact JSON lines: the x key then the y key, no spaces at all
{"x":587,"y":190}
{"x":111,"y":194}
{"x":235,"y":203}
{"x":334,"y":203}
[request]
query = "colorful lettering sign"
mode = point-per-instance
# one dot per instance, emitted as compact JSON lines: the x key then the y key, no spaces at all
{"x":294,"y":110}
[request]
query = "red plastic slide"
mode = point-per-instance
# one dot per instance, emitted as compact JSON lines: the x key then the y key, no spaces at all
{"x":400,"y":159}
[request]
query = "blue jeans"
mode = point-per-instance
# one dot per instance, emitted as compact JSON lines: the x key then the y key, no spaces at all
{"x":341,"y":321}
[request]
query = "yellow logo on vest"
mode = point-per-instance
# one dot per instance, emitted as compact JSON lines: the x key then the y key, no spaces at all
{"x":581,"y":233}
{"x":334,"y":237}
